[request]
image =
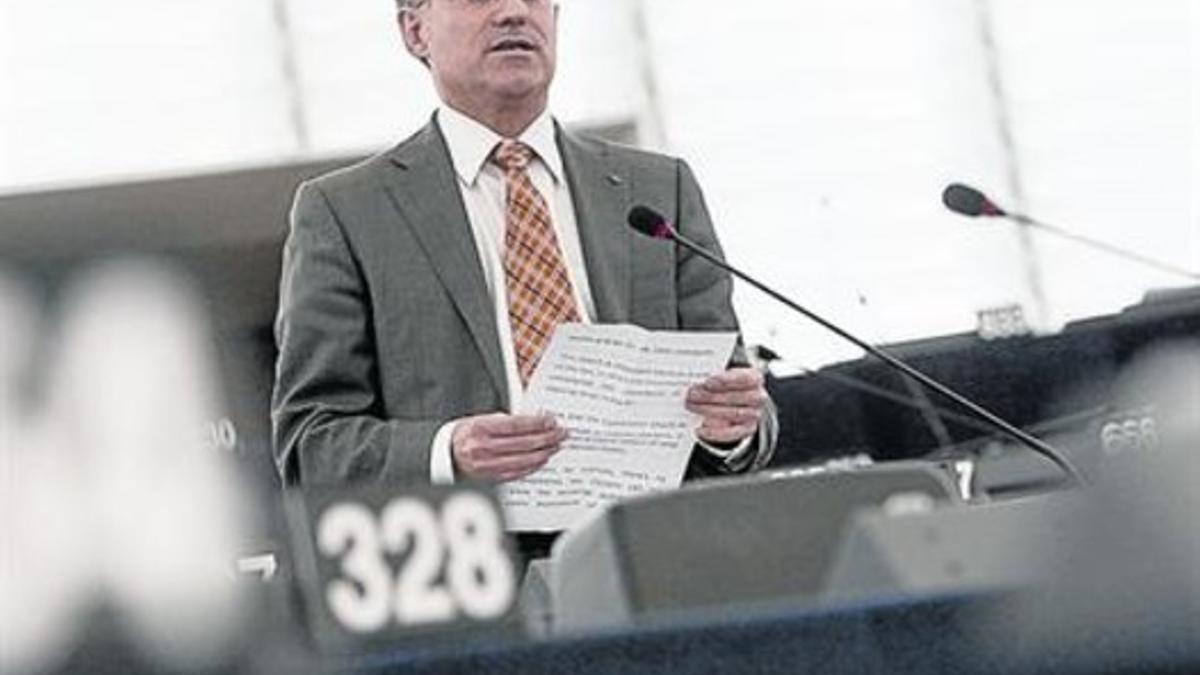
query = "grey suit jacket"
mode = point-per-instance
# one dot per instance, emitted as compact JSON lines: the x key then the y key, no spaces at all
{"x":386,"y":330}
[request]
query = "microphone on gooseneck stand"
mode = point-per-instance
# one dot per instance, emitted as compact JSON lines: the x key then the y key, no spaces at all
{"x":967,"y":201}
{"x":652,"y":224}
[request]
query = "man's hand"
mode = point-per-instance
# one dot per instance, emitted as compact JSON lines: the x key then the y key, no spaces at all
{"x":500,"y":447}
{"x":731,"y":403}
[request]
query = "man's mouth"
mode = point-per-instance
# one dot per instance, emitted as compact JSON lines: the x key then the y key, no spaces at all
{"x":514,"y":44}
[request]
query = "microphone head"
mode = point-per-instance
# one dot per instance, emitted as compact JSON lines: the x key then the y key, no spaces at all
{"x":766,"y":354}
{"x":650,"y":223}
{"x":968,"y":201}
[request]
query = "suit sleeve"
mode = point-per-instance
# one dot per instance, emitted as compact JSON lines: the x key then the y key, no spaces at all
{"x":705,"y":294}
{"x":326,"y":411}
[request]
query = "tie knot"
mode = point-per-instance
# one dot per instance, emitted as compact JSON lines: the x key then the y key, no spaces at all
{"x":512,"y":155}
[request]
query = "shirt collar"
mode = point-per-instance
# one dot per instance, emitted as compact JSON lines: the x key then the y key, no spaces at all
{"x":471,"y":143}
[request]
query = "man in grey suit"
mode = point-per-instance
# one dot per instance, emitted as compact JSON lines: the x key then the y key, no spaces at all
{"x":396,"y":352}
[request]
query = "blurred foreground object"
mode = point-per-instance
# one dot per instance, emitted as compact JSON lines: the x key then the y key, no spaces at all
{"x":43,"y":580}
{"x":121,"y":509}
{"x":1131,"y":601}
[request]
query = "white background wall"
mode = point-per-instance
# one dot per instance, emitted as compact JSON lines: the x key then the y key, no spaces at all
{"x":826,"y":129}
{"x":823,"y":130}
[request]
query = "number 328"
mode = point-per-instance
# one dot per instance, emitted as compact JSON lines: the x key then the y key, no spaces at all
{"x":465,"y":540}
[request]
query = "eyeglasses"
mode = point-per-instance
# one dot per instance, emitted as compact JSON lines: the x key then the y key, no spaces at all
{"x":476,"y":4}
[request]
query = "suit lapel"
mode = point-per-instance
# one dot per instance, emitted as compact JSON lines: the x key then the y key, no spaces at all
{"x":426,"y":192}
{"x":600,"y":191}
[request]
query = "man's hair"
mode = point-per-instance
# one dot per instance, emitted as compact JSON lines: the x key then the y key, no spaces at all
{"x":409,"y":4}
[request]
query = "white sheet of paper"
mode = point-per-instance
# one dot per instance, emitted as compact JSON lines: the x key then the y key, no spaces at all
{"x":619,"y":390}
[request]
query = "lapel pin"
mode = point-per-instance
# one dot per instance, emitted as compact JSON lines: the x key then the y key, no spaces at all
{"x":615,"y":179}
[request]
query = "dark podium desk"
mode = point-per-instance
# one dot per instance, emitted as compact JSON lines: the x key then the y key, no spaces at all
{"x":964,"y":634}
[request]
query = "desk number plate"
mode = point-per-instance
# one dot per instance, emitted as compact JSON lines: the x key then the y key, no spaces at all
{"x":379,"y":567}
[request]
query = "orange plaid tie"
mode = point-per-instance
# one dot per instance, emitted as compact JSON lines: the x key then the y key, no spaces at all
{"x":539,"y":290}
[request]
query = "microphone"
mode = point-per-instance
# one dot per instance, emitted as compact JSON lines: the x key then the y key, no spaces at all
{"x":766,"y":354}
{"x":967,"y":201}
{"x":653,"y":224}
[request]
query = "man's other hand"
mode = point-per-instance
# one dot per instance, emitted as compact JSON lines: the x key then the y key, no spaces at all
{"x":731,"y":403}
{"x":500,"y":447}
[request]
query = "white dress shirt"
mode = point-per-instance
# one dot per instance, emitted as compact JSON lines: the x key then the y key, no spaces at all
{"x":482,"y":185}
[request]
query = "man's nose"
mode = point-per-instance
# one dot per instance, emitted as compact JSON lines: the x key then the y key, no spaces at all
{"x":510,"y":11}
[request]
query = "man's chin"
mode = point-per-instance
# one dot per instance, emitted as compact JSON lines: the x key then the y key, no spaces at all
{"x":518,"y":86}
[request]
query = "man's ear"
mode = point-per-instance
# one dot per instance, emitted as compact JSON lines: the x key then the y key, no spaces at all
{"x":412,"y":29}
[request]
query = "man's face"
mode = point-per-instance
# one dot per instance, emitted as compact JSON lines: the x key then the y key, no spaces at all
{"x":486,"y":52}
